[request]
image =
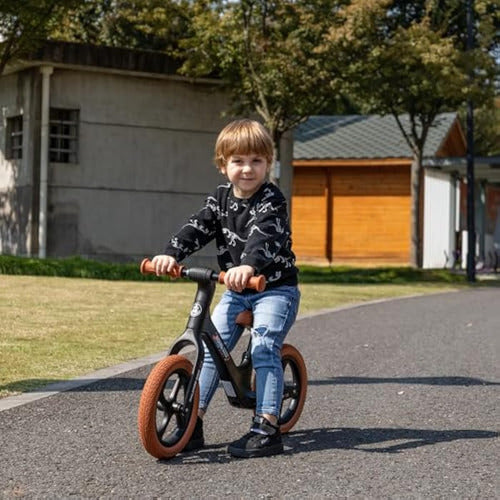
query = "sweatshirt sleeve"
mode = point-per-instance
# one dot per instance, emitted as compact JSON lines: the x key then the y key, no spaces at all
{"x":198,"y":231}
{"x":268,"y":233}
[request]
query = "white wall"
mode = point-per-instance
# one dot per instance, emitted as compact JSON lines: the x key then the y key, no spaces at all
{"x":439,"y":219}
{"x":17,"y":97}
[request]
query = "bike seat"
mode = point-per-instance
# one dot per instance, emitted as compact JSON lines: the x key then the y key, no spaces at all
{"x":245,"y":319}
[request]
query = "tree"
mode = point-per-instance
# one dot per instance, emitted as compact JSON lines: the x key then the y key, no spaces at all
{"x":26,"y":24}
{"x":266,"y":53}
{"x":86,"y":22}
{"x":486,"y":129}
{"x":409,"y":58}
{"x":134,"y":24}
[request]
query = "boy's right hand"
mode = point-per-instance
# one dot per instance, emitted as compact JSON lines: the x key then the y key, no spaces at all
{"x":164,"y":264}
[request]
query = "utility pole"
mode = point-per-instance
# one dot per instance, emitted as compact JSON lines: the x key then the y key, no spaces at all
{"x":471,"y":229}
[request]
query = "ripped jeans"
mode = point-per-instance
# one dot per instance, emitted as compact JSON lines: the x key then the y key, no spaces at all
{"x":274,"y":313}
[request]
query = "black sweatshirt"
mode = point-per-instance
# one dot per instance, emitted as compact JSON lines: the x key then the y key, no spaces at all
{"x":253,"y":231}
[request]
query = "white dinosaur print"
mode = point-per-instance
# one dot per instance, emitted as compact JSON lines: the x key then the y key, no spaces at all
{"x":196,"y":245}
{"x":253,"y":217}
{"x":222,"y":249}
{"x":258,"y":229}
{"x":275,"y":277}
{"x":287,"y":262}
{"x":267,"y":253}
{"x":211,"y":204}
{"x":231,"y":237}
{"x":277,"y":226}
{"x":268,"y":193}
{"x":262,"y":208}
{"x":198,"y":226}
{"x":177,"y":244}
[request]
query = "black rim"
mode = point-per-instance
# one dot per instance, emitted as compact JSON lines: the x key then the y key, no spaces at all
{"x":291,"y":390}
{"x":171,"y":421}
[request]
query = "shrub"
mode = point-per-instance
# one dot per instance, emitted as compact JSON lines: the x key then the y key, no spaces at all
{"x":77,"y":267}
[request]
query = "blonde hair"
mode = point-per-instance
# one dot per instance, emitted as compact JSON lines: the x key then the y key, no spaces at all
{"x":243,"y":137}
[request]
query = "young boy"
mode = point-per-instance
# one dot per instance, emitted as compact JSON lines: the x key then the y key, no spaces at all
{"x":249,"y":221}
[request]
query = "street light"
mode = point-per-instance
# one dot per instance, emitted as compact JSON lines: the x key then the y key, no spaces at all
{"x":471,"y":230}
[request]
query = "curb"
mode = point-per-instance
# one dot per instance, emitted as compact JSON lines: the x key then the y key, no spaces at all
{"x":104,"y":373}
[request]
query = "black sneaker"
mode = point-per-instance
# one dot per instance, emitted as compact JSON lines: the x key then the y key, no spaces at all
{"x":197,"y":440}
{"x":263,"y":440}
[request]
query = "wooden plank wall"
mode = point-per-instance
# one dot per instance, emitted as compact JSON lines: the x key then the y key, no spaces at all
{"x":351,"y":214}
{"x":309,"y":209}
{"x":371,"y":214}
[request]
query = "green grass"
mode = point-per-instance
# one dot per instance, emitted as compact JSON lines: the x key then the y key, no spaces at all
{"x":55,"y":327}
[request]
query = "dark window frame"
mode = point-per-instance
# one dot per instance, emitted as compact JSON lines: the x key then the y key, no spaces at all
{"x":63,"y":135}
{"x":14,"y":138}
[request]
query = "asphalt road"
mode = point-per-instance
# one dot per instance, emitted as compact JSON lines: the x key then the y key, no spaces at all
{"x":402,"y":403}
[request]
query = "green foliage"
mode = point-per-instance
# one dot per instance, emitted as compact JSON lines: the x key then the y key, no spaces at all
{"x":76,"y":267}
{"x":486,"y":128}
{"x":85,"y":23}
{"x":411,"y":57}
{"x":377,"y":275}
{"x":25,"y":24}
{"x":266,"y":53}
{"x":135,"y":24}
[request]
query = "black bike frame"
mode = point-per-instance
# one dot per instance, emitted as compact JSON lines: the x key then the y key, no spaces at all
{"x":199,"y":329}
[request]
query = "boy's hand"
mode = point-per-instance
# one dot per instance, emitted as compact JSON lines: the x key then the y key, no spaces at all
{"x":236,"y":278}
{"x":163,"y":264}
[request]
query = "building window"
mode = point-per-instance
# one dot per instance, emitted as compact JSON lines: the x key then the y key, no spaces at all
{"x":63,"y":146}
{"x":14,"y":142}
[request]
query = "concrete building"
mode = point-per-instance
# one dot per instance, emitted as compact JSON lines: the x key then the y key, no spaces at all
{"x":103,"y":152}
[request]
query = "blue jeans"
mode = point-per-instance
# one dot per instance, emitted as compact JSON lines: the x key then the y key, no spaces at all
{"x":274,"y":313}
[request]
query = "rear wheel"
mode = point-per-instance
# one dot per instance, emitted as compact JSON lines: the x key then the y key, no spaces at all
{"x":165,"y":423}
{"x":295,"y":387}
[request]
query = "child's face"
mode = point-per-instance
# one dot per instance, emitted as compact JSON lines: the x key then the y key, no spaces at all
{"x":246,"y":173}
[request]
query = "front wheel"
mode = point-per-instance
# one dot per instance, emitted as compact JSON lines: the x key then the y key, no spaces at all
{"x":295,"y":387}
{"x":165,"y":423}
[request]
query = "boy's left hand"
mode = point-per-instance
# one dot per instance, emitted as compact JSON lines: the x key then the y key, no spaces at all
{"x":236,"y":278}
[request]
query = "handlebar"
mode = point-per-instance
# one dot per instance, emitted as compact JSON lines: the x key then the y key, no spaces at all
{"x":257,"y":283}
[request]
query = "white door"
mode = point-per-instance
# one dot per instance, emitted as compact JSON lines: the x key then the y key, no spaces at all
{"x":439,"y":219}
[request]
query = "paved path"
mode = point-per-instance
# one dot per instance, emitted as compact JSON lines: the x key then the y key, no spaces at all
{"x":403,"y":403}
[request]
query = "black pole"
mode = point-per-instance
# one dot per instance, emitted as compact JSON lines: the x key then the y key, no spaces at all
{"x":471,"y":229}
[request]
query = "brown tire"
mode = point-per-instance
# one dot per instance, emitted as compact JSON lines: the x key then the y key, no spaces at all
{"x":295,"y":388}
{"x":162,"y":411}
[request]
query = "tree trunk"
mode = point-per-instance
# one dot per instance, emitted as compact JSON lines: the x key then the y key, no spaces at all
{"x":275,"y":173}
{"x":416,"y":212}
{"x":286,"y":167}
{"x":6,"y":53}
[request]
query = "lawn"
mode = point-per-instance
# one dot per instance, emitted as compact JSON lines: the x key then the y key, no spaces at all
{"x":55,"y":328}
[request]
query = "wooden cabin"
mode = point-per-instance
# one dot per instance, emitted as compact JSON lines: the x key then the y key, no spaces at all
{"x":351,"y":187}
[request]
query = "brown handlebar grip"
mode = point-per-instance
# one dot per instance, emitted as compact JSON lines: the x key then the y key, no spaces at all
{"x":148,"y":268}
{"x":257,"y":283}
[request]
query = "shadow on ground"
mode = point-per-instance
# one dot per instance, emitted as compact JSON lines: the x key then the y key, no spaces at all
{"x":463,"y":381}
{"x":371,"y":440}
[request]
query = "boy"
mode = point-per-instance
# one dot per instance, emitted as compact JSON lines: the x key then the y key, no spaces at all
{"x":249,"y":221}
